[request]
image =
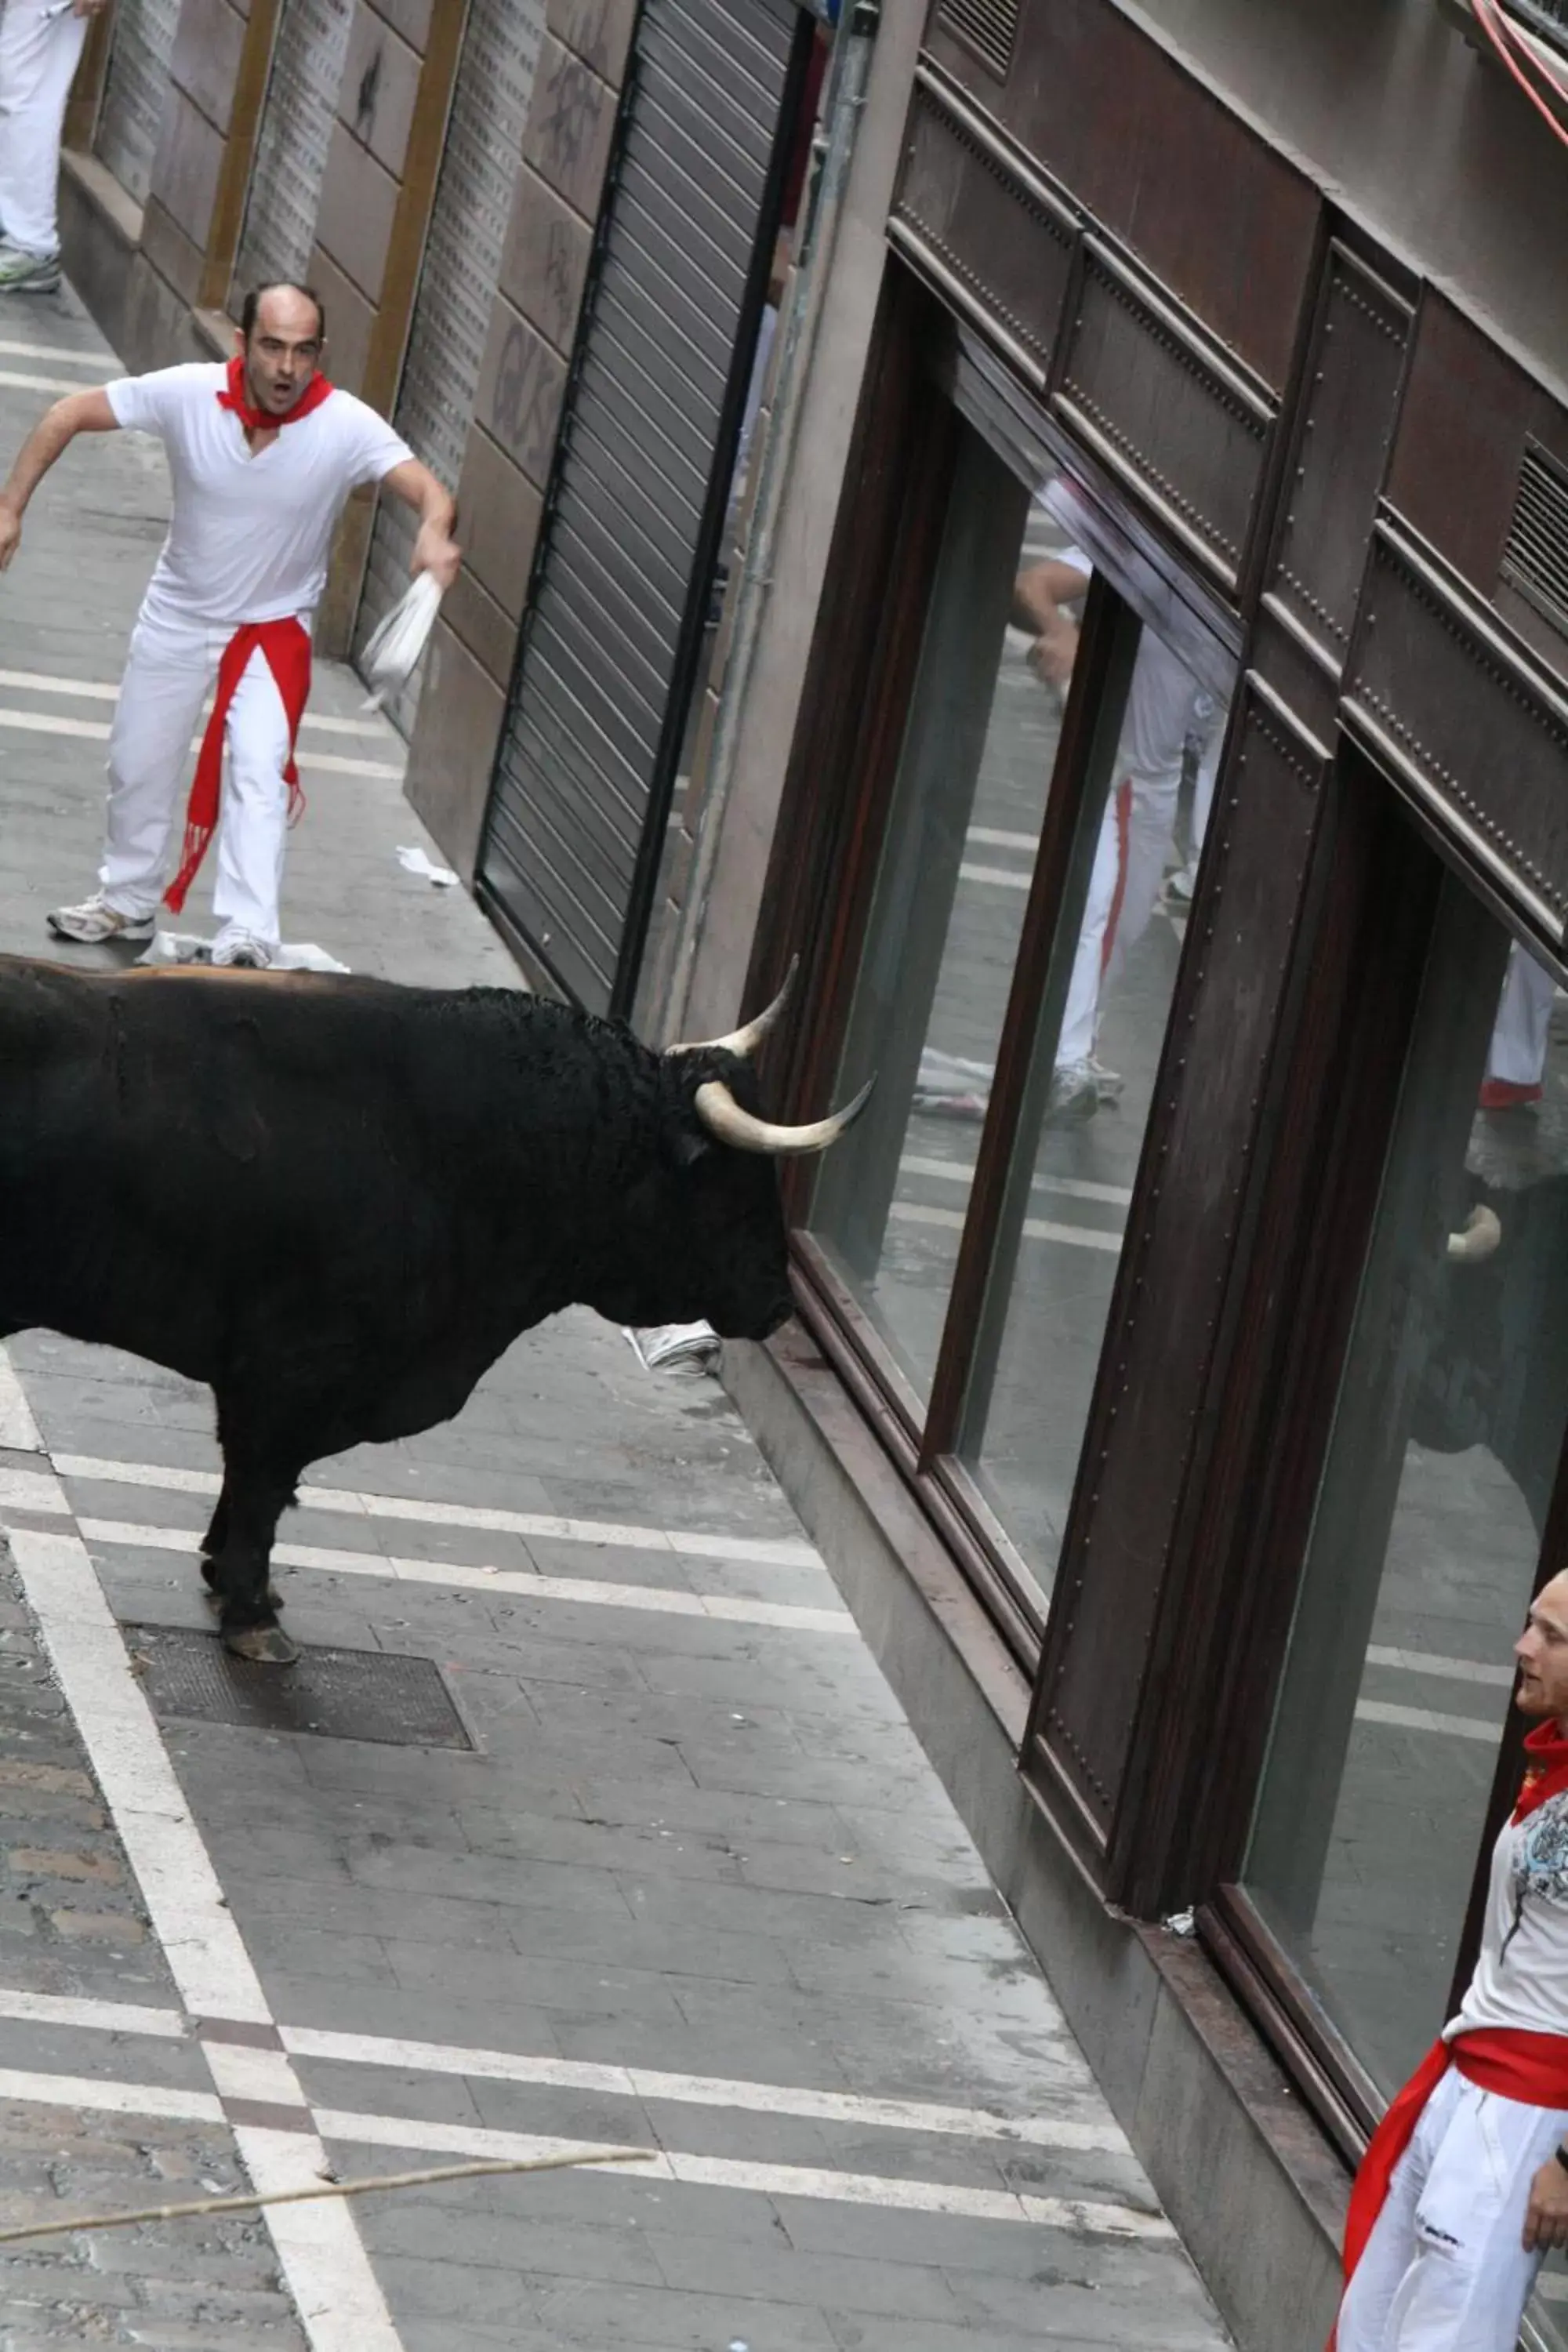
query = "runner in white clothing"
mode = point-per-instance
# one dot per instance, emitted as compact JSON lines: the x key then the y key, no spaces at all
{"x":1465,"y":2187}
{"x":262,"y":454}
{"x":40,"y":48}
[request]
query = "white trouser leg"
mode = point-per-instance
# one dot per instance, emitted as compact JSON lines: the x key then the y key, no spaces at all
{"x":1150,"y":828}
{"x":167,"y":675}
{"x":254,"y":828}
{"x":1445,"y":2270}
{"x":1524,"y":1009}
{"x":37,"y":65}
{"x":1106,"y":884}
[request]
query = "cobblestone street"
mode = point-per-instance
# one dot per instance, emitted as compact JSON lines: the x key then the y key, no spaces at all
{"x":680,"y":1877}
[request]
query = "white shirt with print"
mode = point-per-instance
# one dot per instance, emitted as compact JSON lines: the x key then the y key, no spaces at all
{"x":1521,"y":1977}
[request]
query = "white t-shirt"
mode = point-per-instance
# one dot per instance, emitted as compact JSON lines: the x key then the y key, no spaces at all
{"x":1521,"y":1976}
{"x":249,"y":536}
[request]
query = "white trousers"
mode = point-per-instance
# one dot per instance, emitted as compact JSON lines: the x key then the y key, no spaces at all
{"x":168,"y":676}
{"x":39,"y":58}
{"x":1443,"y":2269}
{"x":1137,"y":829}
{"x":1524,"y":1009}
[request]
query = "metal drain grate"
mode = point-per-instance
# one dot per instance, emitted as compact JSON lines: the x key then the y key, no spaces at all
{"x":334,"y":1693}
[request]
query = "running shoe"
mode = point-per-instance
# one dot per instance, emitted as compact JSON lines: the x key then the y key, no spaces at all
{"x":95,"y":921}
{"x":1108,"y":1083}
{"x":241,"y":952}
{"x":29,"y":273}
{"x":1073,"y":1096}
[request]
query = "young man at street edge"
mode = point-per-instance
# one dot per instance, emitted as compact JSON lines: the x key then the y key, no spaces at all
{"x":1465,"y":2187}
{"x":263,"y":455}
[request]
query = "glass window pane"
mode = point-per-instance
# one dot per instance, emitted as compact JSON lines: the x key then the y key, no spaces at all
{"x":1107,"y":1004}
{"x":943,"y":937}
{"x":1429,"y":1523}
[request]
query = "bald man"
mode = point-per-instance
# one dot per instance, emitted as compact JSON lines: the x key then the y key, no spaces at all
{"x":1465,"y":2187}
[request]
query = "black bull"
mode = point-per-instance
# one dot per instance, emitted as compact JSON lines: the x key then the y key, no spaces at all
{"x":337,"y":1202}
{"x":1496,"y":1372}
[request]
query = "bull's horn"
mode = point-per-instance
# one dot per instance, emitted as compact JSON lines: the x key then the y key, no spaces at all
{"x":1481,"y":1234}
{"x":744,"y":1041}
{"x":723,"y":1117}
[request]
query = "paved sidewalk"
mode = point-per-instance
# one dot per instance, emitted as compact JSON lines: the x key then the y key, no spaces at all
{"x":690,"y":1889}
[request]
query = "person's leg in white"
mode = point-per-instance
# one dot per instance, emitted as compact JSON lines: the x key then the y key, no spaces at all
{"x":167,"y":675}
{"x":38,"y":58}
{"x":1391,"y":2249}
{"x":1467,"y":2277}
{"x":1151,"y":829}
{"x":1518,"y":1053}
{"x":1073,"y":1093}
{"x":253,"y":834}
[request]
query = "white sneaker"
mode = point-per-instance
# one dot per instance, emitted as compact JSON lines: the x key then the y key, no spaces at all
{"x":240,"y":952}
{"x":1108,"y":1083}
{"x":29,"y":273}
{"x":1073,"y":1096}
{"x":95,"y":919}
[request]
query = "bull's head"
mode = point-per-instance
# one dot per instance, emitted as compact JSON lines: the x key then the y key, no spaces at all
{"x":727,"y":1119}
{"x":705,"y":1232}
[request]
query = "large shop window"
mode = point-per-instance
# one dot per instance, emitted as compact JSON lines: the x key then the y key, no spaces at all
{"x":1428,"y":1526}
{"x":966,"y":945}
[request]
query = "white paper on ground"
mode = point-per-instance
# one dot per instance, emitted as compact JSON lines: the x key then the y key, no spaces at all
{"x":185,"y":947}
{"x":415,"y":861}
{"x":684,"y":1348}
{"x":389,"y":659}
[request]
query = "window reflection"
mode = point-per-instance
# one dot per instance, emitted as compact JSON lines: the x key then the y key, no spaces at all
{"x":1428,"y":1530}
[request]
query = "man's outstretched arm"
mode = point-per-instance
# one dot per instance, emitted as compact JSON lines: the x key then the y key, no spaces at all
{"x":435,"y":550}
{"x":79,"y":411}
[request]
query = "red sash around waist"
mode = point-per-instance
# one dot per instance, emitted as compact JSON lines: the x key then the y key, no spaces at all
{"x":287,"y":648}
{"x":1529,"y":2067}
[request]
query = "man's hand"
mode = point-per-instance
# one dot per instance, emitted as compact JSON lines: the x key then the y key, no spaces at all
{"x":11,"y":540}
{"x":1546,"y":2217}
{"x":437,"y":552}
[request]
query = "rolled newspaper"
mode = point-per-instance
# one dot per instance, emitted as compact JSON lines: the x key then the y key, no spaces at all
{"x":393,"y":653}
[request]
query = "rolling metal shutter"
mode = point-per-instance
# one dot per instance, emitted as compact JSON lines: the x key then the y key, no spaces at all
{"x":457,"y":281}
{"x":296,"y":130}
{"x":580,"y":800}
{"x":132,"y":114}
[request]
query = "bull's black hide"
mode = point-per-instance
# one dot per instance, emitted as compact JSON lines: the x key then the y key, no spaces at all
{"x":337,"y":1200}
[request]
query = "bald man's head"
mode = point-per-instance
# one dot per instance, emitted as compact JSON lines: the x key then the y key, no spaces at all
{"x":1541,"y":1652}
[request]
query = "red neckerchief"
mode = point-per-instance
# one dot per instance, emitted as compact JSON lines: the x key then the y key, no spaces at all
{"x":259,"y":420}
{"x":1546,"y":1774}
{"x":286,"y":646}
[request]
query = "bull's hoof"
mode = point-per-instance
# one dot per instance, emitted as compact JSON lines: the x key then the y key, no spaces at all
{"x":262,"y":1646}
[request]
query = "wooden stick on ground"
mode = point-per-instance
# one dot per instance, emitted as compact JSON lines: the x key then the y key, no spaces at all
{"x":328,"y":2188}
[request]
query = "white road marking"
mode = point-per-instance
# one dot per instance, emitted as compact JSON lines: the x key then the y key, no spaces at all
{"x":34,"y":682}
{"x":585,"y":1592}
{"x":32,"y":1490}
{"x":89,"y":2091}
{"x":1036,"y":1229}
{"x":244,"y":2072}
{"x":1460,"y":1670}
{"x":1072,"y":1188}
{"x":96,"y":731}
{"x":277,"y":2160}
{"x":766,"y":2180}
{"x":759,"y":1551}
{"x":18,"y":1429}
{"x":59,"y":351}
{"x":12,"y":382}
{"x":1000,"y":877}
{"x":701,"y":2091}
{"x":319,"y":2247}
{"x":1422,"y":1718}
{"x":986,"y":836}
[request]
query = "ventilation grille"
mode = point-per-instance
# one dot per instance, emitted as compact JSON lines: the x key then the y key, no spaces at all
{"x":989,"y":27}
{"x":1535,"y":560}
